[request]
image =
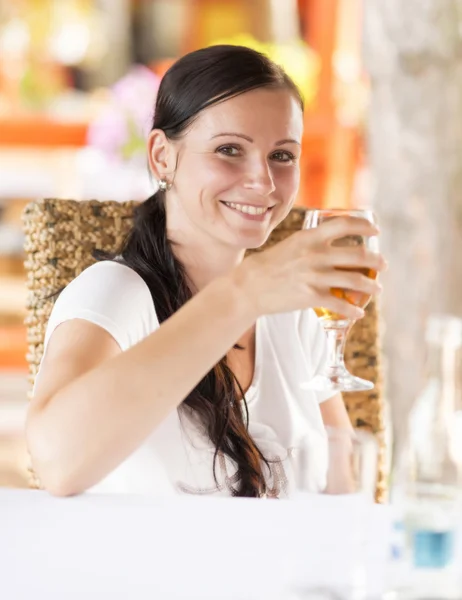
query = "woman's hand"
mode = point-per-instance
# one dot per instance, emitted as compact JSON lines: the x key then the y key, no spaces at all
{"x":300,"y":271}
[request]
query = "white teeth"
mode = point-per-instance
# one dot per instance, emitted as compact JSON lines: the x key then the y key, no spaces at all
{"x":245,"y":208}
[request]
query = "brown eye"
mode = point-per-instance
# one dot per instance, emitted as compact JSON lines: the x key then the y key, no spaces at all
{"x":229,"y":150}
{"x":283,"y":156}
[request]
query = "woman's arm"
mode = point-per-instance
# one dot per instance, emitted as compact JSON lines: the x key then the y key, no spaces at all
{"x":94,"y":405}
{"x":334,"y":413}
{"x":341,"y":474}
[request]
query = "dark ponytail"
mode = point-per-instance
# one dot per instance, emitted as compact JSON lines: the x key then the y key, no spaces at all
{"x":196,"y":81}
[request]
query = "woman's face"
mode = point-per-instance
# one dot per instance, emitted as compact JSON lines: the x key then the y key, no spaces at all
{"x":238,"y":171}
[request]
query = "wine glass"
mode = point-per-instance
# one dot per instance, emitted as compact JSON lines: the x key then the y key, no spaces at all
{"x":335,"y":376}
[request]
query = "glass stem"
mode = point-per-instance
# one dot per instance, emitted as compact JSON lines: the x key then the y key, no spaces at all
{"x":336,"y":339}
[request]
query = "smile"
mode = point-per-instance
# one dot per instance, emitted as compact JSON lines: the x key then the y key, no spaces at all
{"x":248,"y":209}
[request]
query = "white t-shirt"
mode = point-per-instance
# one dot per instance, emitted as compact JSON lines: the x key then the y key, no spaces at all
{"x":284,"y":420}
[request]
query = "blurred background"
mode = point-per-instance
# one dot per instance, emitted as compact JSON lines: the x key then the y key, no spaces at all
{"x":383,"y":89}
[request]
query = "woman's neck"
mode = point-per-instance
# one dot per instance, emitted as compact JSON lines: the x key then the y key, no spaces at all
{"x":203,"y":259}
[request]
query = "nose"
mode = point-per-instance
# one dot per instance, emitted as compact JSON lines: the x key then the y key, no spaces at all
{"x":260,"y":178}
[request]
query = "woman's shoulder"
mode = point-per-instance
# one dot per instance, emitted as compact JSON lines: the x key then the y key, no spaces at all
{"x":109,"y":283}
{"x":111,"y":295}
{"x":110,"y":270}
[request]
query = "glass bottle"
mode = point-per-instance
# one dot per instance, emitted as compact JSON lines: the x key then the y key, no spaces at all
{"x":429,"y":487}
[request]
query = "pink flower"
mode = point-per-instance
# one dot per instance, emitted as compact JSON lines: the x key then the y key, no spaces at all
{"x":109,"y":131}
{"x":121,"y":129}
{"x":136,"y":94}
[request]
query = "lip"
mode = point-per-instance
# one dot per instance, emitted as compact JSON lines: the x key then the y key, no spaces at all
{"x":247,"y":216}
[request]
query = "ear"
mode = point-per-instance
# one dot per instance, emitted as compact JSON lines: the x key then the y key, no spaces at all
{"x":160,"y":154}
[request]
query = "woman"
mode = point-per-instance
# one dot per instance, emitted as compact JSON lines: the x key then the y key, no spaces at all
{"x":179,"y":361}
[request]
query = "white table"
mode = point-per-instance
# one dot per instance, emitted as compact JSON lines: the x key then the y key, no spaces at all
{"x":137,"y":548}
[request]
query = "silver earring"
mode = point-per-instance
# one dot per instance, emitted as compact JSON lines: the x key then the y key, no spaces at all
{"x":164,"y":185}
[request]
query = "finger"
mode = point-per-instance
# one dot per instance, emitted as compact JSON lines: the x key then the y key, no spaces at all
{"x":348,"y":280}
{"x":339,"y":227}
{"x":355,"y":257}
{"x":340,"y":307}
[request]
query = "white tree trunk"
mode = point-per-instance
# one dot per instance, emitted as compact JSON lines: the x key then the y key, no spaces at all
{"x":413,"y":53}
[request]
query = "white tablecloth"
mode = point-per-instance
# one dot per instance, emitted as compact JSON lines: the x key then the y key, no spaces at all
{"x":137,"y":548}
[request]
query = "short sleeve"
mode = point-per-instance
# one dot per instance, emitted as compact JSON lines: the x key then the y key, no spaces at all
{"x":314,"y":342}
{"x":111,"y":295}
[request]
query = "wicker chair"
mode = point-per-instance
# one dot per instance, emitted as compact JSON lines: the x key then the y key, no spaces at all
{"x":60,"y":238}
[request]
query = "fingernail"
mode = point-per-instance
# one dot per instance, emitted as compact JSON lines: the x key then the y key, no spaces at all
{"x":361,"y":313}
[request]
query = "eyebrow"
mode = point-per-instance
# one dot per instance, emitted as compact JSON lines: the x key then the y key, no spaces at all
{"x":249,"y":139}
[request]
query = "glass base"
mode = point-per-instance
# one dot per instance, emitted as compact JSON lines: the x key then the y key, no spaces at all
{"x":337,"y":380}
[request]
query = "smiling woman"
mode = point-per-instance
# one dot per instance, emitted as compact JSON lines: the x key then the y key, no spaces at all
{"x":178,"y":360}
{"x":236,"y":172}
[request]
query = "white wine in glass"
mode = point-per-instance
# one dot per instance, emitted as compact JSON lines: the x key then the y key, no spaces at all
{"x":336,"y":377}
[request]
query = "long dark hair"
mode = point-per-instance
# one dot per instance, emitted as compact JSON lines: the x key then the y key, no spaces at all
{"x":196,"y":81}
